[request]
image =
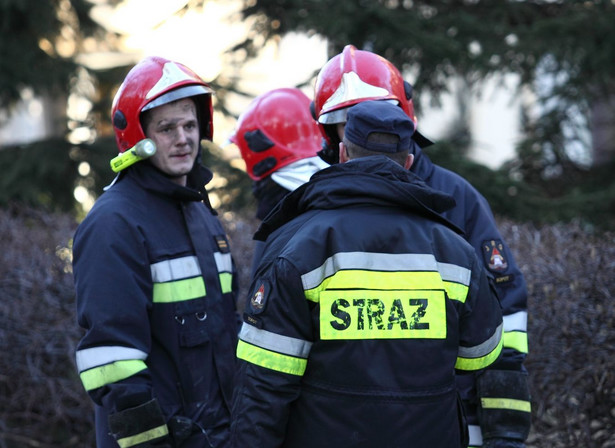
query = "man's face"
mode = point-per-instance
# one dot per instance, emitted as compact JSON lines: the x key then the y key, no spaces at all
{"x":175,"y":130}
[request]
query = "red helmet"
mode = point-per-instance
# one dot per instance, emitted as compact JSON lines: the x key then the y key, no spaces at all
{"x":151,"y":83}
{"x":275,"y":130}
{"x":354,"y":76}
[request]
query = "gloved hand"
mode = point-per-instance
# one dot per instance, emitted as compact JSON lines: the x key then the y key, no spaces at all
{"x":144,"y":422}
{"x":503,"y":443}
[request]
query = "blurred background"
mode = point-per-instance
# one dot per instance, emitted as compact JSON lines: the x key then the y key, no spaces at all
{"x":519,"y":96}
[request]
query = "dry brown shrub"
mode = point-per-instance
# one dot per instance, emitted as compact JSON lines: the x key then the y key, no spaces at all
{"x":43,"y":403}
{"x":571,"y":280}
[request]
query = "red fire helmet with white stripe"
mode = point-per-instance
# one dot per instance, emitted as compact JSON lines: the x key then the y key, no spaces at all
{"x":151,"y":83}
{"x":354,"y":76}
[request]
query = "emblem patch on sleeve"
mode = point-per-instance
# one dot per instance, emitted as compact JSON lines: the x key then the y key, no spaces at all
{"x":259,"y":298}
{"x":493,"y":253}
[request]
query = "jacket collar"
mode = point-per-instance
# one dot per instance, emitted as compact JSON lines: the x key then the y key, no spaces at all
{"x":373,"y":180}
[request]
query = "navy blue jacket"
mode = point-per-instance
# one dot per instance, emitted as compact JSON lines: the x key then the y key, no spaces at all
{"x":474,"y":217}
{"x":155,"y":296}
{"x":364,"y":305}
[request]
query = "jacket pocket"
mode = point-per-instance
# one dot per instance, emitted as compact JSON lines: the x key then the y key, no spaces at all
{"x":191,"y":317}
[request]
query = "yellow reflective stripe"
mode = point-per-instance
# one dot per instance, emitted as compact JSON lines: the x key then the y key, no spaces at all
{"x":178,"y":291}
{"x":456,"y":291}
{"x":111,"y":373}
{"x":362,"y":279}
{"x":516,"y":340}
{"x":480,"y":362}
{"x":146,"y":436}
{"x":361,"y":314}
{"x":506,"y":403}
{"x":226,"y":282}
{"x":271,"y":360}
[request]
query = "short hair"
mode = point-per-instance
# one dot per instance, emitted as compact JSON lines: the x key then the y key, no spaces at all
{"x":355,"y":151}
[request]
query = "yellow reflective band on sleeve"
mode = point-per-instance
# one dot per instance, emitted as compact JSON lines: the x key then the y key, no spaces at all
{"x":226,"y":282}
{"x":517,"y":340}
{"x":146,"y":436}
{"x":111,"y":373}
{"x":380,"y":280}
{"x":506,"y":403}
{"x":456,"y":291}
{"x":480,"y":362}
{"x":271,"y":360}
{"x":360,"y":314}
{"x":179,"y":290}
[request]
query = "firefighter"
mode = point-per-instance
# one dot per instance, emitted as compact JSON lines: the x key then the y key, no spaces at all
{"x":364,"y":304}
{"x":154,"y":276}
{"x":497,"y":401}
{"x":279,"y":141}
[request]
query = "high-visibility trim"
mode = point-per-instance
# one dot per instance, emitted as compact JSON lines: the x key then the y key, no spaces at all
{"x":89,"y":358}
{"x":179,"y":290}
{"x":453,"y":273}
{"x":226,"y":282}
{"x":506,"y":403}
{"x":111,"y":373}
{"x":224,"y":262}
{"x":482,"y":355}
{"x":175,"y":269}
{"x":516,"y":340}
{"x":476,"y":436}
{"x":375,"y":280}
{"x":516,"y":321}
{"x":271,"y":360}
{"x":146,"y":436}
{"x":275,"y":342}
{"x":367,"y":265}
{"x":456,"y":291}
{"x":365,"y":314}
{"x":369,"y":262}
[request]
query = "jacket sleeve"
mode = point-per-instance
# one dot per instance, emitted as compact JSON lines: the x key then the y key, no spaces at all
{"x":480,"y":342}
{"x":113,"y":289}
{"x":274,"y":344}
{"x":495,"y":255}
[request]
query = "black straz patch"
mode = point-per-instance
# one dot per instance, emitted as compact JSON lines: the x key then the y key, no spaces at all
{"x":259,"y":298}
{"x":493,"y":253}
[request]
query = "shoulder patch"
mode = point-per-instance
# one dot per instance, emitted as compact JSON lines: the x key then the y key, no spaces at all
{"x":222,"y":244}
{"x":494,"y":257}
{"x":259,"y":298}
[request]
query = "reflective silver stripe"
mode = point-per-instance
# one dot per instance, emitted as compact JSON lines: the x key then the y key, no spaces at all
{"x":275,"y":342}
{"x":453,"y":273}
{"x":516,"y":322}
{"x":476,"y":435}
{"x":175,"y":269}
{"x":99,"y":356}
{"x":224,"y":263}
{"x":368,"y":261}
{"x":483,"y":349}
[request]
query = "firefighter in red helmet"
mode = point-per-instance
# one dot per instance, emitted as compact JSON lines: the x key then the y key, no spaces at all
{"x":279,"y":141}
{"x":497,"y":401}
{"x":154,"y":276}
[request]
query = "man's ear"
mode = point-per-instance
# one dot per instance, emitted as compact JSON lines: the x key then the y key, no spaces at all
{"x":409,"y":161}
{"x":343,"y":153}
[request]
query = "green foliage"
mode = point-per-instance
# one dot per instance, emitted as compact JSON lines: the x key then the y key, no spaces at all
{"x":40,"y":174}
{"x":589,"y":197}
{"x":24,"y":61}
{"x":567,"y":43}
